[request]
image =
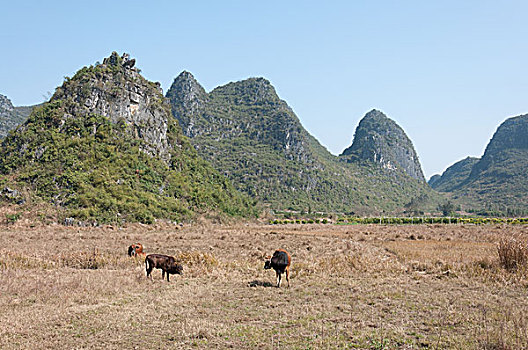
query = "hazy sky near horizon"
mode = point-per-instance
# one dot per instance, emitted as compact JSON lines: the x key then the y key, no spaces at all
{"x":448,"y":72}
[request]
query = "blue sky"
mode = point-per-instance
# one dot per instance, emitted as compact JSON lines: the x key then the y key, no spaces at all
{"x":448,"y":72}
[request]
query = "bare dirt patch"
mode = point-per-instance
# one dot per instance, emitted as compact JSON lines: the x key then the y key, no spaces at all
{"x":357,"y":286}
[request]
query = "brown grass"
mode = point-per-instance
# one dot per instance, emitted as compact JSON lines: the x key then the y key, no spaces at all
{"x":359,"y":286}
{"x":513,"y":252}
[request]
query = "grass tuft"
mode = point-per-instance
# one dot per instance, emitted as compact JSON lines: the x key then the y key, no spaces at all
{"x":198,"y":263}
{"x":513,"y":253}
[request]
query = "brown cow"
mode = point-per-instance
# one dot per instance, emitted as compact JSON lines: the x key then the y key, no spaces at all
{"x":166,"y":263}
{"x":136,"y":250}
{"x":280,"y":262}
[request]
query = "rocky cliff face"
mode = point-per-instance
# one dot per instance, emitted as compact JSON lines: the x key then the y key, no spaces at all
{"x":273,"y":122}
{"x":380,"y":140}
{"x":190,"y":97}
{"x":117,"y":91}
{"x":223,"y":114}
{"x":5,"y":105}
{"x":6,"y":116}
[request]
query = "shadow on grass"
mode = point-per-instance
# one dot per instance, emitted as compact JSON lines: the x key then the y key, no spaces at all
{"x":257,"y":283}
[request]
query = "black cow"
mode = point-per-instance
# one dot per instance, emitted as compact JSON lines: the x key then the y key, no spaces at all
{"x":280,"y":262}
{"x":166,"y":263}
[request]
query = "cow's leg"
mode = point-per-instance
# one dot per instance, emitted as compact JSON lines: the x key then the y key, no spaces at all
{"x":288,"y":276}
{"x":278,"y":279}
{"x":149,"y":269}
{"x":162,"y":274}
{"x":168,"y":276}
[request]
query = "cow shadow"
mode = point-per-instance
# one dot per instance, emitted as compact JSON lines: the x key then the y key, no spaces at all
{"x":257,"y":283}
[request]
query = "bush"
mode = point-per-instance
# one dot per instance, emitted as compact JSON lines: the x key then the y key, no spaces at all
{"x":513,"y":253}
{"x":12,"y":218}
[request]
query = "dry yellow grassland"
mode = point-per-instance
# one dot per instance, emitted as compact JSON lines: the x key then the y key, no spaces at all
{"x":357,"y":286}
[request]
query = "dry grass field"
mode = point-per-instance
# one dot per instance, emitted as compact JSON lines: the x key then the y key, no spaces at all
{"x":357,"y":286}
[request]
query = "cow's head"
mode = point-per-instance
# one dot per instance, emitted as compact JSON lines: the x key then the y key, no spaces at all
{"x":267,"y":264}
{"x":175,"y":268}
{"x":138,"y":249}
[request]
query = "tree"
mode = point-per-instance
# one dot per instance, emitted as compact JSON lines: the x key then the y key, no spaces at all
{"x":447,"y":208}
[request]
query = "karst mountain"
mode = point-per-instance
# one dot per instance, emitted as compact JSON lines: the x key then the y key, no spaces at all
{"x":106,"y":148}
{"x":497,"y":181}
{"x":255,"y":139}
{"x":379,"y":139}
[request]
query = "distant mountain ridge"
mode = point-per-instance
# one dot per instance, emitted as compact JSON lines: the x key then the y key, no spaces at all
{"x":11,"y":116}
{"x":498,"y":180}
{"x":454,"y":176}
{"x":253,"y":137}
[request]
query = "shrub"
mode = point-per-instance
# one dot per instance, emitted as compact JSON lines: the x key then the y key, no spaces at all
{"x":12,"y":218}
{"x":513,"y":253}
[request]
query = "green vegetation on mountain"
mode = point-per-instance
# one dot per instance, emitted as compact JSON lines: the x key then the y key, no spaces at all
{"x":105,"y":148}
{"x":454,"y":176}
{"x":496,"y":183}
{"x":253,"y":137}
